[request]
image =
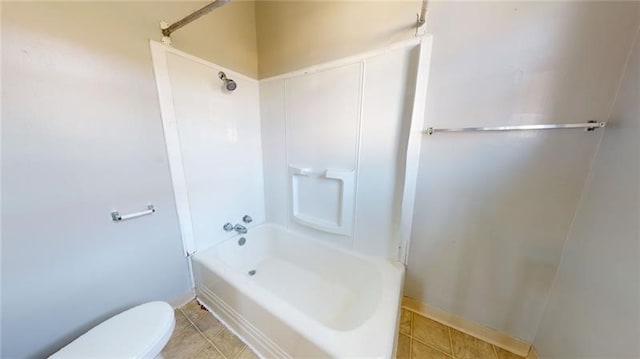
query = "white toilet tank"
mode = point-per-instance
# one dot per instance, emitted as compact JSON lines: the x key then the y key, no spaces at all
{"x":140,"y":332}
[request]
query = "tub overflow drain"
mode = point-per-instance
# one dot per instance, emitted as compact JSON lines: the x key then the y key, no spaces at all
{"x":252,"y":272}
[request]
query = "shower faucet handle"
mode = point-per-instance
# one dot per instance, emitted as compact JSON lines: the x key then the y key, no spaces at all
{"x":228,"y":227}
{"x":247,"y":219}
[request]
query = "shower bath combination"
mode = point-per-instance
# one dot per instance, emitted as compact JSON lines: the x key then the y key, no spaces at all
{"x":321,"y":277}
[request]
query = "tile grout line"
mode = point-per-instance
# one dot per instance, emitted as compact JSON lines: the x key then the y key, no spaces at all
{"x":189,"y":319}
{"x":410,"y":334}
{"x":223,"y":327}
{"x":203,"y":348}
{"x":246,"y":347}
{"x":450,"y":355}
{"x":450,"y":342}
{"x":410,"y":324}
{"x":494,"y":347}
{"x":241,"y":350}
{"x":412,"y":338}
{"x":432,"y":347}
{"x":209,"y":341}
{"x":193,"y":323}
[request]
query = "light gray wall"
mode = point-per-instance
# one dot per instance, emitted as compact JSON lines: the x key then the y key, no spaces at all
{"x":81,"y":136}
{"x":594,"y":307}
{"x":493,"y":210}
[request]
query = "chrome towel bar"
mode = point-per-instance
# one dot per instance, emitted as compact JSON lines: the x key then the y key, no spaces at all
{"x":116,"y":216}
{"x":589,"y":126}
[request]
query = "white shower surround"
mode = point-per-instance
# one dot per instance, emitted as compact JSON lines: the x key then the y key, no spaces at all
{"x":223,"y":134}
{"x":387,"y":141}
{"x":293,"y":259}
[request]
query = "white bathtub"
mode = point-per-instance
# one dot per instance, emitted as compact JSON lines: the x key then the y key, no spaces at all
{"x":306,"y":299}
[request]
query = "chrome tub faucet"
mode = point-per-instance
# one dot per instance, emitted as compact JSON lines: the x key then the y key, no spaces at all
{"x":240,"y":229}
{"x":228,"y":227}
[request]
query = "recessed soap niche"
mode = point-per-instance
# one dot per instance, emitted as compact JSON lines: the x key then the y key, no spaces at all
{"x":323,"y":200}
{"x":322,"y":147}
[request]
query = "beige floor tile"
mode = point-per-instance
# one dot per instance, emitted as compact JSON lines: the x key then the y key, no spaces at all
{"x":193,"y":311}
{"x":503,"y":354}
{"x":247,"y":353}
{"x":228,"y":343}
{"x":431,"y":332}
{"x":209,"y":352}
{"x":181,"y":321}
{"x":421,"y":351}
{"x":209,"y":326}
{"x":404,"y":347}
{"x":468,"y":347}
{"x":184,"y":343}
{"x":405,"y":322}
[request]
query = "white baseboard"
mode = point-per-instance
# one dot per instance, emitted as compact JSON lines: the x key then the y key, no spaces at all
{"x":183,"y":299}
{"x":489,"y":335}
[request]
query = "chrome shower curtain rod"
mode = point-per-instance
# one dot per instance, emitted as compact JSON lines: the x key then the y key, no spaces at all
{"x":589,"y":126}
{"x":167,"y":30}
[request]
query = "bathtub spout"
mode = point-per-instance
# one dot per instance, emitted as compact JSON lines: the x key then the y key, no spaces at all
{"x":240,"y":229}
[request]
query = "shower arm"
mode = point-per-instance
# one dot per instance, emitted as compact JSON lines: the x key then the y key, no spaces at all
{"x":167,"y":30}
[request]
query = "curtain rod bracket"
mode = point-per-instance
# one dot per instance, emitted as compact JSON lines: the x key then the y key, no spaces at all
{"x":421,"y":26}
{"x":421,"y":20}
{"x":167,"y":30}
{"x":165,"y":39}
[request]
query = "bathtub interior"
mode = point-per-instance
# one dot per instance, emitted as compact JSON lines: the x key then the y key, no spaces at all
{"x":332,"y":286}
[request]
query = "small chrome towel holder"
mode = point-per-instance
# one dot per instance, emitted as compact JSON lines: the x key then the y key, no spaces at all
{"x":117,"y":217}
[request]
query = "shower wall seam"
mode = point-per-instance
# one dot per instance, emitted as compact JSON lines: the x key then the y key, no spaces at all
{"x":288,"y":180}
{"x":358,"y":150}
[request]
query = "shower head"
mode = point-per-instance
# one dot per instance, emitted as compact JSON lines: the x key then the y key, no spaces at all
{"x":229,"y":84}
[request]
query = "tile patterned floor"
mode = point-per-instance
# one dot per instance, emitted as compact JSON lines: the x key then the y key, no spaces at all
{"x":423,"y":338}
{"x":199,"y":335}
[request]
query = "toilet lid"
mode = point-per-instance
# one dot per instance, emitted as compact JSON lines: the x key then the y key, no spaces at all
{"x":140,"y":332}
